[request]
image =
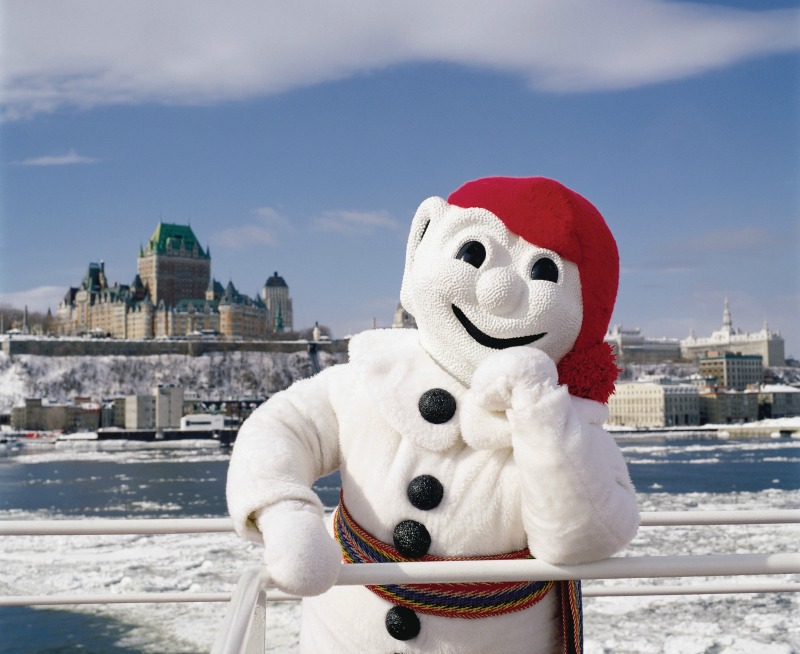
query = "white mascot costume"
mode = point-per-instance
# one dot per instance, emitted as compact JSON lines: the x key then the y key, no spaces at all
{"x":477,"y":436}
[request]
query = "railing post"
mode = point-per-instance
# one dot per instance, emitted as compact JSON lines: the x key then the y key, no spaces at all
{"x":256,"y":639}
{"x":244,"y":628}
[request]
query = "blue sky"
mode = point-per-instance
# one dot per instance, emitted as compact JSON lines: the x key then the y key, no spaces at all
{"x":302,"y":138}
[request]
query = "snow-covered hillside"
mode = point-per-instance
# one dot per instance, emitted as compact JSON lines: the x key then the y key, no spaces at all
{"x":218,"y":375}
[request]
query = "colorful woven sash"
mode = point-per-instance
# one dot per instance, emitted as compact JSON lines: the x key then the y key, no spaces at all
{"x":471,"y":600}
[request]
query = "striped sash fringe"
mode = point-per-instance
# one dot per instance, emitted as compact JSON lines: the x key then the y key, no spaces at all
{"x":470,"y":600}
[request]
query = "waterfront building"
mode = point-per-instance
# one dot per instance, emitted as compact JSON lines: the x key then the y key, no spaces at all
{"x":631,"y":346}
{"x":168,"y":407}
{"x":34,"y":415}
{"x":172,"y":296}
{"x":278,"y":304}
{"x":140,"y":412}
{"x":766,"y":343}
{"x":730,"y":370}
{"x":721,"y":406}
{"x":653,"y":404}
{"x":38,"y":415}
{"x":778,"y":401}
{"x":162,"y":409}
{"x":113,"y":413}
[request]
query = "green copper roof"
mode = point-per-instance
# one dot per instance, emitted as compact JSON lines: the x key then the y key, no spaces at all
{"x":169,"y":237}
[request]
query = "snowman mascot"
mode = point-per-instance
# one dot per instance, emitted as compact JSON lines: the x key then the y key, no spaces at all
{"x":478,"y":435}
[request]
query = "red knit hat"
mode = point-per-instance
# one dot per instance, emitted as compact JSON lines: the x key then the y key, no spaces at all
{"x":549,"y":215}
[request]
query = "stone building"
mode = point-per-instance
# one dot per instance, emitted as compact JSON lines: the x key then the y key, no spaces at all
{"x":652,"y":404}
{"x":766,"y":343}
{"x":243,"y":317}
{"x":173,"y":295}
{"x":96,"y":308}
{"x":631,"y":346}
{"x":187,"y":318}
{"x":173,"y":266}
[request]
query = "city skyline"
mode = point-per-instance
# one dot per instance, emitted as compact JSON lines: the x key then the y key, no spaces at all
{"x":290,"y":146}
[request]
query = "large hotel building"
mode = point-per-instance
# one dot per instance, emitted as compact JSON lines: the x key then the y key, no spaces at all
{"x":172,"y":295}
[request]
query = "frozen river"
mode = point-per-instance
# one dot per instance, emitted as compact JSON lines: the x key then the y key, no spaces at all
{"x":146,"y":481}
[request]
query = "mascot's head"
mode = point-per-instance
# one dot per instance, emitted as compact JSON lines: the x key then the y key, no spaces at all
{"x":509,"y":262}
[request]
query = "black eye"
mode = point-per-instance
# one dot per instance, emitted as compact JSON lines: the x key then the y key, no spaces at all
{"x":424,"y":229}
{"x":473,"y":253}
{"x":545,"y":269}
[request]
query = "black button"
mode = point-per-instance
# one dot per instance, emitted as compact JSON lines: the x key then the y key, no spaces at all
{"x":437,"y":406}
{"x":412,"y":539}
{"x":425,"y":492}
{"x":402,"y":623}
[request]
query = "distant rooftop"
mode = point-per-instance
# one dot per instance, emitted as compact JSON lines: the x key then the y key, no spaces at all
{"x":169,"y":238}
{"x":276,"y":280}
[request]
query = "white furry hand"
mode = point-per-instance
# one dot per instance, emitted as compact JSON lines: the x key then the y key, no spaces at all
{"x":502,"y":380}
{"x":301,"y":556}
{"x":514,"y":369}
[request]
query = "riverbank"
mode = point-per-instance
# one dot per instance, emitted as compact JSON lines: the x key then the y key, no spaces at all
{"x":770,"y":428}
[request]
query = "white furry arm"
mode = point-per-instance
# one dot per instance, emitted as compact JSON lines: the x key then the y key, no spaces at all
{"x":578,"y":503}
{"x":282,"y":448}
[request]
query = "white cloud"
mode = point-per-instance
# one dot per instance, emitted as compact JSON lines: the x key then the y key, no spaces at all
{"x":87,"y":53}
{"x":353,"y":222}
{"x":265,"y":231}
{"x":40,"y":298}
{"x":67,"y":159}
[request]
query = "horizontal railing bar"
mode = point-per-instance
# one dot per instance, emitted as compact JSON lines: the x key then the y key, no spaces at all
{"x":721,"y":588}
{"x":115,"y":526}
{"x":107,"y":598}
{"x":743,"y":517}
{"x":631,"y":567}
{"x":712,"y":588}
{"x":125,"y":526}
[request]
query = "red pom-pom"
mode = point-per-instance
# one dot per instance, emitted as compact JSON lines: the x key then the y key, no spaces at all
{"x":589,"y":373}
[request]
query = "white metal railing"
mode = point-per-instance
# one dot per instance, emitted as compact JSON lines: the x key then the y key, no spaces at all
{"x":243,"y":630}
{"x":614,"y":568}
{"x":117,"y":526}
{"x":620,"y":567}
{"x":244,"y":626}
{"x":647,"y":566}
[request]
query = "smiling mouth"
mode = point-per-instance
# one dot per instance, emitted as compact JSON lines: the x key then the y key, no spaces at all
{"x":491,"y":341}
